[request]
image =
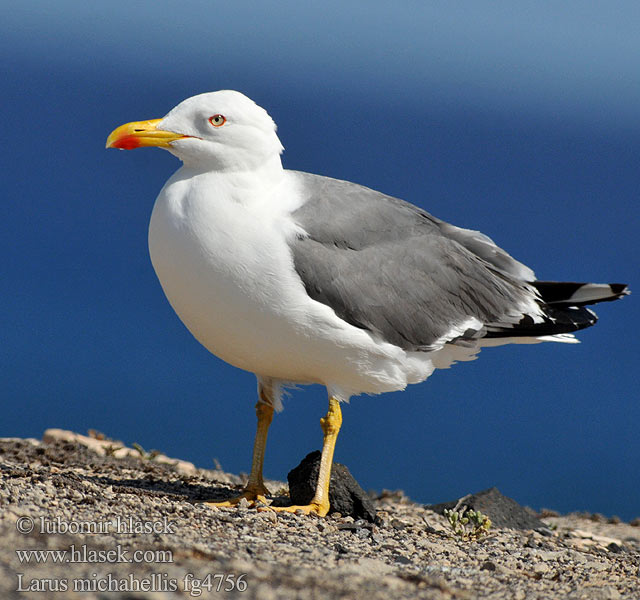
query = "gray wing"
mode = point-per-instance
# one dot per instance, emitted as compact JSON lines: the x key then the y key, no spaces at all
{"x":484,"y":247}
{"x":387,"y":266}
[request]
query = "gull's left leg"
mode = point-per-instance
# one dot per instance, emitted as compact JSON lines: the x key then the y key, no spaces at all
{"x":330,"y":427}
{"x":255,"y":490}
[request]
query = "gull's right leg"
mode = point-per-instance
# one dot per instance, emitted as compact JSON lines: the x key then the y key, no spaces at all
{"x":255,"y":490}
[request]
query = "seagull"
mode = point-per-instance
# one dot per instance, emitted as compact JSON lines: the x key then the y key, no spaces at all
{"x":302,"y":279}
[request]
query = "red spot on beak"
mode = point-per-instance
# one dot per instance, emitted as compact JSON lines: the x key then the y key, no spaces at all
{"x":127,"y":142}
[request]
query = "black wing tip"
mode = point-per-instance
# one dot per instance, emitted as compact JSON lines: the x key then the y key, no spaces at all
{"x":620,"y":289}
{"x":557,"y":320}
{"x":573,"y":293}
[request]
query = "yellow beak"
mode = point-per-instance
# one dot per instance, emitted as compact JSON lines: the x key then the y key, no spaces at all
{"x":141,"y":133}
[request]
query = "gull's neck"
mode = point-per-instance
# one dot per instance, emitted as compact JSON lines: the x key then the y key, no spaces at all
{"x":241,"y":184}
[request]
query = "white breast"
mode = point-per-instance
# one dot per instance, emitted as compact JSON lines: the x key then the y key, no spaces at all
{"x":227,"y":271}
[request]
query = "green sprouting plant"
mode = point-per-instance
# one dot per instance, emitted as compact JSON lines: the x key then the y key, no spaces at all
{"x":467,"y":524}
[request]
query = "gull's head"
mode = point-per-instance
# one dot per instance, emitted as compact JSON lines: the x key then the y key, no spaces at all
{"x":222,"y":130}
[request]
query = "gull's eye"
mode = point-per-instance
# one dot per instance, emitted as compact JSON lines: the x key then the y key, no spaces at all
{"x":217,"y":120}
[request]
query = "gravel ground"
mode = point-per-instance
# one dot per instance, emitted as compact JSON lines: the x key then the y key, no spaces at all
{"x":110,"y":522}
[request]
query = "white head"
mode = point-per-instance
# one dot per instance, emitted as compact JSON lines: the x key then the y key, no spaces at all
{"x":222,"y":131}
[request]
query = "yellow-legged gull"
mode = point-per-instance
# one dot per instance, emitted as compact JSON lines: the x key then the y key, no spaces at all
{"x":300,"y":278}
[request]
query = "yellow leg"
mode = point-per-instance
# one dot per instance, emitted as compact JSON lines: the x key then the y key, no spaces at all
{"x":255,"y":490}
{"x":330,"y":427}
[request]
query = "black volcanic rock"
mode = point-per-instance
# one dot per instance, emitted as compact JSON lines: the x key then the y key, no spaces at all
{"x":345,"y":495}
{"x":503,"y":511}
